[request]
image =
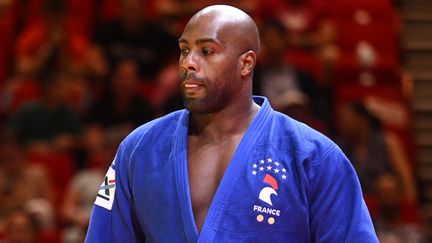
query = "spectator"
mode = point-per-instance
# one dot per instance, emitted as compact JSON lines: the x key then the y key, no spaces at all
{"x":80,"y":195}
{"x":276,"y":77}
{"x":52,"y":33}
{"x":24,"y":184}
{"x":122,"y":104}
{"x":297,"y":105}
{"x":96,"y":70}
{"x":373,"y":152}
{"x":49,"y":122}
{"x":21,"y":227}
{"x":396,"y":218}
{"x":131,"y":36}
{"x":21,"y":88}
{"x":167,"y":95}
{"x":122,"y":108}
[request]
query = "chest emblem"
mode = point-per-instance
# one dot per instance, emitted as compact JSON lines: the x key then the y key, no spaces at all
{"x":266,"y":192}
{"x":271,"y":171}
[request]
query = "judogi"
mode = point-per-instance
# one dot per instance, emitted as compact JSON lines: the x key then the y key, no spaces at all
{"x":285,"y":183}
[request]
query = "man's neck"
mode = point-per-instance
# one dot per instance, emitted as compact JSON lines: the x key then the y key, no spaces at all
{"x":232,"y":120}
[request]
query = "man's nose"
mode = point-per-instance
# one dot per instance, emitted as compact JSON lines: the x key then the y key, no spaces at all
{"x":190,"y":62}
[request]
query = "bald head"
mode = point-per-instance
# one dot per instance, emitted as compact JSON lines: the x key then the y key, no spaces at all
{"x":235,"y":26}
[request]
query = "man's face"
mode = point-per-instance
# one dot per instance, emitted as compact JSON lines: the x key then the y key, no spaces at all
{"x":208,"y":66}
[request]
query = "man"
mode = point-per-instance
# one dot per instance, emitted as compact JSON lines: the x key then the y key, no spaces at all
{"x":228,"y":168}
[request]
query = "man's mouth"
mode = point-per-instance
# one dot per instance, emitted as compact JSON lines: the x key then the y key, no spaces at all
{"x":191,"y":86}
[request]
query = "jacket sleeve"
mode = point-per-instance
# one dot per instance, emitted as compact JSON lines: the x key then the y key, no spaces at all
{"x":338,"y":212}
{"x":113,"y":218}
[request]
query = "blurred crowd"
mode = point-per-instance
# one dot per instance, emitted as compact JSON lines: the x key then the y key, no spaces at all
{"x":76,"y":76}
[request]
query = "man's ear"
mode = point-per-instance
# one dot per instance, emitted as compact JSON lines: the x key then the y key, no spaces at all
{"x":247,"y":63}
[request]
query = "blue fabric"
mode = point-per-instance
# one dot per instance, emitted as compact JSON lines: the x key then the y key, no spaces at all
{"x":285,"y":183}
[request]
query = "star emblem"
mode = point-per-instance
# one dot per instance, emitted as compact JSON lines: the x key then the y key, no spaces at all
{"x":262,"y":161}
{"x":261,"y":168}
{"x":284,"y":177}
{"x":276,"y":170}
{"x":254,"y":172}
{"x":284,"y":170}
{"x":255,"y":166}
{"x":269,"y":160}
{"x":269,"y":167}
{"x":276,"y":163}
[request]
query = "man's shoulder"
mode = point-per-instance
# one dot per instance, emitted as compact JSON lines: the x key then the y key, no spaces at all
{"x":298,"y":128}
{"x":306,"y":140}
{"x":160,"y":127}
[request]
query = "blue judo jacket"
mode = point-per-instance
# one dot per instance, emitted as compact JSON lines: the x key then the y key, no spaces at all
{"x":285,"y":183}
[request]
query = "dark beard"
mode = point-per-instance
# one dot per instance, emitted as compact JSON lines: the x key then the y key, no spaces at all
{"x":191,"y":76}
{"x":215,"y":100}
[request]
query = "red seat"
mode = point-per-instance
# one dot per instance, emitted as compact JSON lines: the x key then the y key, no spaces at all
{"x":352,"y":92}
{"x":382,"y":9}
{"x":382,"y":37}
{"x":368,"y":23}
{"x":8,"y":27}
{"x":384,"y":72}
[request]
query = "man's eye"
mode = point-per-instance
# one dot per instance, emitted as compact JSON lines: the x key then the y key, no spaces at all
{"x":206,"y":51}
{"x":184,"y":52}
